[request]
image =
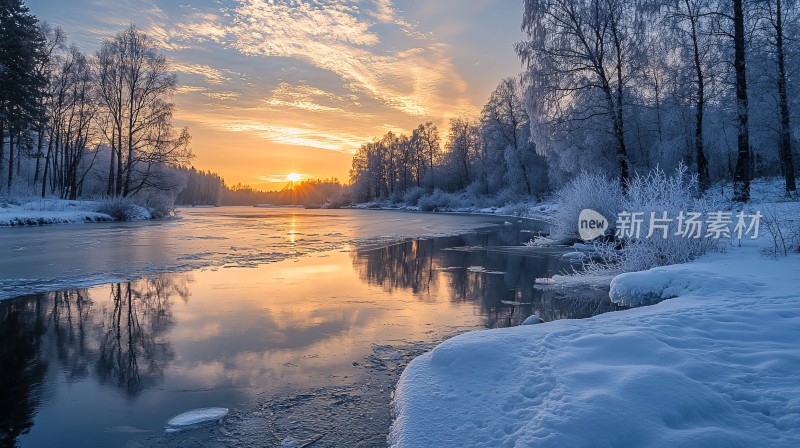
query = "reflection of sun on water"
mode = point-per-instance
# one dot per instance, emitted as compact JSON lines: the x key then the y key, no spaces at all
{"x":293,"y":229}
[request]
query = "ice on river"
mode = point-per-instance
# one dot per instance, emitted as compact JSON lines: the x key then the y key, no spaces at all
{"x":36,"y":259}
{"x":195,"y":417}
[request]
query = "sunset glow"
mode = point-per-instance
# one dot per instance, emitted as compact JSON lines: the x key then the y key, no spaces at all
{"x":274,"y":86}
{"x":294,"y":177}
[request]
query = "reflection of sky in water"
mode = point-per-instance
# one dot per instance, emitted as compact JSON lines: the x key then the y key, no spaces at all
{"x":130,"y":356}
{"x":69,"y":255}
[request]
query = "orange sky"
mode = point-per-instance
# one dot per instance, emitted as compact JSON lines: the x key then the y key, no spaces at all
{"x":270,"y":87}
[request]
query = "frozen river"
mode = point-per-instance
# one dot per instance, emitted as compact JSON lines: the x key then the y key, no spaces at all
{"x":299,"y":321}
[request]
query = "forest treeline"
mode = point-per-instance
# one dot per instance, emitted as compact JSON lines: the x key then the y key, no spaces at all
{"x":208,"y":188}
{"x":617,"y":87}
{"x":74,"y":124}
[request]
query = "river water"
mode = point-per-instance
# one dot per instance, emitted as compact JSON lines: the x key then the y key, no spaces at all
{"x":299,"y":321}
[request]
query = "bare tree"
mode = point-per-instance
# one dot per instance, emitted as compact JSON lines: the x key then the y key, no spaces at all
{"x":71,"y":116}
{"x":135,"y":86}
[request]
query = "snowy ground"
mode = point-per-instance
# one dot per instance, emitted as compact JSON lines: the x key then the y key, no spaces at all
{"x":718,"y":364}
{"x":57,"y":211}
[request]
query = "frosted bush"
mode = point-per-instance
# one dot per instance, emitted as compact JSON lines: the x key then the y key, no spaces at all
{"x":590,"y":191}
{"x":476,"y":189}
{"x":508,"y":196}
{"x":161,"y":205}
{"x":439,"y":200}
{"x":436,"y":200}
{"x":412,"y":195}
{"x":522,"y":209}
{"x":781,"y":227}
{"x":396,"y":197}
{"x":657,"y":193}
{"x":20,"y":193}
{"x":122,"y":209}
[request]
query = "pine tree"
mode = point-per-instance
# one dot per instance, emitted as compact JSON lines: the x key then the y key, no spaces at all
{"x":21,"y":48}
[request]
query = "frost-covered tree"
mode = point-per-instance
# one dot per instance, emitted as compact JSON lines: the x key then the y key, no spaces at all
{"x":741,"y":177}
{"x":463,"y":149}
{"x":511,"y":155}
{"x":692,"y":19}
{"x":580,"y":58}
{"x":782,"y":19}
{"x":427,"y":148}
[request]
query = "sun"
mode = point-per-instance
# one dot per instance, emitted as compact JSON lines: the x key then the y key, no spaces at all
{"x":293,"y":177}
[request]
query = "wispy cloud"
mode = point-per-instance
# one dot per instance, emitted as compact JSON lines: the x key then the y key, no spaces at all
{"x":305,"y":97}
{"x":305,"y":134}
{"x":211,"y":75}
{"x":338,"y":36}
{"x":279,"y":178}
{"x":222,"y":95}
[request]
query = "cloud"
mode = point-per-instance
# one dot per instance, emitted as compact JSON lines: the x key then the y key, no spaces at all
{"x":222,"y":95}
{"x":305,"y":97}
{"x":304,"y":134}
{"x":279,"y":178}
{"x":190,"y":89}
{"x":339,"y":37}
{"x":211,"y":75}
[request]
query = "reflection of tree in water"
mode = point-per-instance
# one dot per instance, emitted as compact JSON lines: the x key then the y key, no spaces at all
{"x":120,"y":339}
{"x":21,"y":369}
{"x":505,"y":296}
{"x":406,"y":265}
{"x":132,"y":354}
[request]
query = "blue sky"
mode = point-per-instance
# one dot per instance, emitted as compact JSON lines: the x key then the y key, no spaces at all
{"x":269,"y":87}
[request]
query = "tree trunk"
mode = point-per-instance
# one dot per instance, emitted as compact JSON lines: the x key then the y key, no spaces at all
{"x":110,"y":186}
{"x":2,"y":142}
{"x":19,"y":153}
{"x":741,"y":177}
{"x":47,"y":165}
{"x":702,"y":163}
{"x":10,"y":158}
{"x":786,"y":131}
{"x":39,"y":148}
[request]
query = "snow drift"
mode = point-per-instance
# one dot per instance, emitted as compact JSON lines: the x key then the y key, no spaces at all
{"x":718,"y":365}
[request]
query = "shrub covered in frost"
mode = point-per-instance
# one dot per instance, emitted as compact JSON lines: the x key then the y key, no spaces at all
{"x":413,"y":194}
{"x":122,"y":209}
{"x":160,"y":204}
{"x":590,"y":191}
{"x":658,"y":195}
{"x":437,"y":200}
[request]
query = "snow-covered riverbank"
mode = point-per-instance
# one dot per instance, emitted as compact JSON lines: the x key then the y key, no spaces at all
{"x":716,"y":365}
{"x":58,"y":211}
